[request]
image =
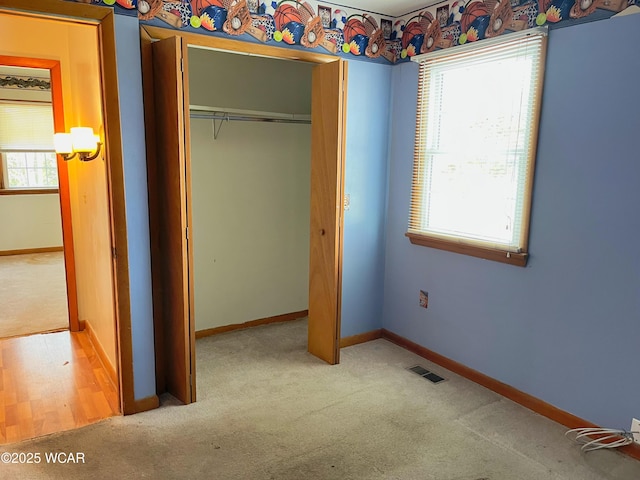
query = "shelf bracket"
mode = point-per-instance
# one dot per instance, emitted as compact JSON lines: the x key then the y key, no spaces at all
{"x":218,"y":126}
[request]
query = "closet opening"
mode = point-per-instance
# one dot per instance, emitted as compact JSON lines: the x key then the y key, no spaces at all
{"x":270,"y":113}
{"x":250,"y":131}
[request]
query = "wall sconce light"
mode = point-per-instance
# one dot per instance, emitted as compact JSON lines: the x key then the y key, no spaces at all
{"x":81,"y":141}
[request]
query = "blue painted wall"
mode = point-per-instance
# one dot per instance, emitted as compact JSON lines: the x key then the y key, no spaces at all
{"x":368,"y":102}
{"x":137,"y":206}
{"x":566,"y":328}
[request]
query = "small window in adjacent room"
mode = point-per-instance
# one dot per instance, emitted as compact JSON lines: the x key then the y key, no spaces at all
{"x":29,"y":170}
{"x":475,"y":147}
{"x":27,"y":157}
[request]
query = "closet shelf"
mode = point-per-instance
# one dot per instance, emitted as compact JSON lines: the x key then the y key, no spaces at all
{"x":235,"y":114}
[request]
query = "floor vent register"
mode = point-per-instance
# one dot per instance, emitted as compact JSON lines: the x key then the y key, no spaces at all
{"x":424,"y":373}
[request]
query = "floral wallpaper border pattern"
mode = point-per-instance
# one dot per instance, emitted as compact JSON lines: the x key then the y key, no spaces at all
{"x":312,"y":25}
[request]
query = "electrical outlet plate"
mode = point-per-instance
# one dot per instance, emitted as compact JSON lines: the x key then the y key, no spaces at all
{"x":635,"y":427}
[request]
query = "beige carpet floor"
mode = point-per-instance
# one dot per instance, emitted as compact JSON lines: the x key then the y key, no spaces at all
{"x":269,"y":410}
{"x":33,"y":294}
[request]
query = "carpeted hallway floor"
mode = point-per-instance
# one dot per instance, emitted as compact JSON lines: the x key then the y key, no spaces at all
{"x":33,"y":294}
{"x":269,"y":410}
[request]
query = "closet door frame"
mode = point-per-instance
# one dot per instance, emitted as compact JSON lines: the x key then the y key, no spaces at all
{"x":326,"y":267}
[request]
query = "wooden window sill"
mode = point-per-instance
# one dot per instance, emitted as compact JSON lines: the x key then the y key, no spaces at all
{"x":28,"y":191}
{"x":518,"y":259}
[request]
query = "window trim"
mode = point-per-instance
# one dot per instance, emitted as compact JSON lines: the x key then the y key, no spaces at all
{"x":29,"y":191}
{"x":487,"y":253}
{"x":470,"y":247}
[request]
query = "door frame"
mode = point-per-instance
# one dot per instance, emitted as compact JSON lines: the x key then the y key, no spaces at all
{"x":55,"y":77}
{"x":149,"y":34}
{"x":104,"y":19}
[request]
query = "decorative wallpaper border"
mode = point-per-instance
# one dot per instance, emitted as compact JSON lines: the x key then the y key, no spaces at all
{"x":455,"y":23}
{"x":24,"y":82}
{"x":353,"y":33}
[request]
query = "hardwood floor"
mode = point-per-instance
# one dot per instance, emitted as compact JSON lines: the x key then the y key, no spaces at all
{"x":50,"y":383}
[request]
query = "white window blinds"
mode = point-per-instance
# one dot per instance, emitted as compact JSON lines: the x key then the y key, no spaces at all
{"x":475,"y":144}
{"x":26,"y":126}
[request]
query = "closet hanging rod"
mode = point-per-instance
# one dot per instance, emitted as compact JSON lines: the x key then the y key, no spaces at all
{"x":246,"y":118}
{"x":218,"y":116}
{"x":241,"y":112}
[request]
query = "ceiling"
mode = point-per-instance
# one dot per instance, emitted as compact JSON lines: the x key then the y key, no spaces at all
{"x":388,"y":8}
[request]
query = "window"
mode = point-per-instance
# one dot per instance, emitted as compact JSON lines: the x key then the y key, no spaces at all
{"x":26,"y":146}
{"x":476,"y":133}
{"x":29,"y":170}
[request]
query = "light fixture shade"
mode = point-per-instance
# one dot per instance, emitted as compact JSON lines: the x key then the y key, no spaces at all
{"x":84,"y":141}
{"x":62,"y":143}
{"x":81,"y":142}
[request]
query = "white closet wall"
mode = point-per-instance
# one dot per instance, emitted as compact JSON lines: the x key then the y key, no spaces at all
{"x":250,"y":83}
{"x":250,"y":190}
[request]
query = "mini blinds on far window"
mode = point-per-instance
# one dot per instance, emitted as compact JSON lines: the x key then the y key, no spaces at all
{"x":476,"y":135}
{"x":26,"y":126}
{"x":27,"y":156}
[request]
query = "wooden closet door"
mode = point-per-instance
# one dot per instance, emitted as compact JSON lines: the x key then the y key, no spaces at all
{"x":328,"y":110}
{"x":172,"y":177}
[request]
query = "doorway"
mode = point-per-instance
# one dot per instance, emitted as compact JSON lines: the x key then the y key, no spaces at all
{"x":90,"y":94}
{"x":38,"y":254}
{"x":165,"y":71}
{"x":63,"y":379}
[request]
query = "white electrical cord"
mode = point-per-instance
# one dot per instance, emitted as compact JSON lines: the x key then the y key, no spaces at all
{"x":604,"y":438}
